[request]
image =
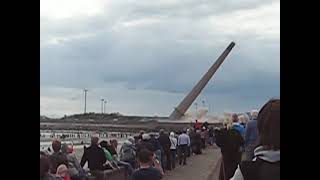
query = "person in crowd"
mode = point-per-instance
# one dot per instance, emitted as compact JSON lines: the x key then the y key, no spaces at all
{"x":128,"y":152}
{"x":183,"y":144}
{"x":157,"y":148}
{"x":63,"y":172}
{"x":110,"y":159}
{"x":192,"y":135}
{"x":197,"y":142}
{"x":126,"y":165}
{"x":57,"y":157}
{"x":236,"y":124}
{"x":113,"y":147}
{"x":145,"y":143}
{"x":205,"y":124}
{"x":210,"y":136}
{"x":44,"y":169}
{"x":140,"y":135}
{"x":266,"y":162}
{"x":165,"y":144}
{"x":94,"y":155}
{"x":243,"y":120}
{"x":197,"y":125}
{"x":146,"y":171}
{"x":251,"y":135}
{"x":173,"y":149}
{"x":203,"y":137}
{"x":75,"y":170}
{"x":229,"y":140}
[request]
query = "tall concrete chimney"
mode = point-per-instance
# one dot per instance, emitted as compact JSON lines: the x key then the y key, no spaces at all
{"x":188,"y":100}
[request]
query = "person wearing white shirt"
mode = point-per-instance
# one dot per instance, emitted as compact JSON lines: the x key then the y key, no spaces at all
{"x":183,"y":144}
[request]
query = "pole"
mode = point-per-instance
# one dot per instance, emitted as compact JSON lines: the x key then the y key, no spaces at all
{"x":102,"y":106}
{"x":105,"y":102}
{"x":85,"y":100}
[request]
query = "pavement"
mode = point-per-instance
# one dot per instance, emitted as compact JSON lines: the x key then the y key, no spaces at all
{"x":199,"y":167}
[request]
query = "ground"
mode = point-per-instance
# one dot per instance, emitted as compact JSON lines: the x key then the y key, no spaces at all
{"x":199,"y":167}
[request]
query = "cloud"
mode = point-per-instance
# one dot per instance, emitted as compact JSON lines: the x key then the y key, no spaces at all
{"x":163,"y":47}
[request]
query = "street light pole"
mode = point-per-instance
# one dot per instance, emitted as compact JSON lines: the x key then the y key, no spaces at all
{"x":102,"y":106}
{"x":85,"y":100}
{"x":105,"y":102}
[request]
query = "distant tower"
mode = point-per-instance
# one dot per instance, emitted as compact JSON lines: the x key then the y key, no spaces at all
{"x":188,"y":100}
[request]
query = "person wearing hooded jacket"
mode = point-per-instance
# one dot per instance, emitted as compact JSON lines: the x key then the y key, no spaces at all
{"x":173,"y":149}
{"x":266,"y":162}
{"x":128,"y":152}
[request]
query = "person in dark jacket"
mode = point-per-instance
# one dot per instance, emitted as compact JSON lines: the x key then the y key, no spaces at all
{"x":251,"y":135}
{"x":165,"y":144}
{"x":266,"y":163}
{"x":196,"y":147}
{"x":95,"y":156}
{"x":229,"y":140}
{"x":57,"y":157}
{"x":145,"y":143}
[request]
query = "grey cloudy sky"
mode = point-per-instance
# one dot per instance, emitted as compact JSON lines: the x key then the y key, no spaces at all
{"x":144,"y":56}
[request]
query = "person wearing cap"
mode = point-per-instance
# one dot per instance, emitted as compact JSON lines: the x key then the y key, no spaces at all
{"x":57,"y":157}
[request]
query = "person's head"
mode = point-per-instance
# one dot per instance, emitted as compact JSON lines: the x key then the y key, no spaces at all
{"x":196,"y":120}
{"x":104,"y":144}
{"x":242,"y":119}
{"x":56,"y":145}
{"x":141,"y":132}
{"x":171,"y":134}
{"x":131,"y":139}
{"x":235,"y":118}
{"x":268,"y":123}
{"x":44,"y":165}
{"x":145,"y":137}
{"x":94,"y":140}
{"x":114,"y":143}
{"x":254,"y":114}
{"x":184,"y":131}
{"x":161,"y":132}
{"x":62,"y":170}
{"x":145,"y":156}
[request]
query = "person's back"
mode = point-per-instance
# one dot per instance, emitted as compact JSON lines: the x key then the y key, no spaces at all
{"x":251,"y":138}
{"x":165,"y":142}
{"x":94,"y":155}
{"x":56,"y":159}
{"x":127,"y":152}
{"x":149,"y":173}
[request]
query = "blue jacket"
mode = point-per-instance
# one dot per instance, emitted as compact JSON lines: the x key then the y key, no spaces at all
{"x":251,"y":133}
{"x":239,"y":128}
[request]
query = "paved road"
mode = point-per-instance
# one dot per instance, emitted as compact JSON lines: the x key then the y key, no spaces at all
{"x":199,"y":167}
